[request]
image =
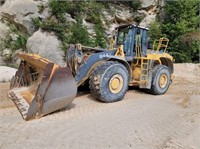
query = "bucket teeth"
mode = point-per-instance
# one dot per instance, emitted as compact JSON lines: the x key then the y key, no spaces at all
{"x":21,"y":103}
{"x":40,"y":87}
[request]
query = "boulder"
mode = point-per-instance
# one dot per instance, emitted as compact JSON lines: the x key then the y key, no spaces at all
{"x":6,"y":73}
{"x":21,"y":13}
{"x":46,"y":45}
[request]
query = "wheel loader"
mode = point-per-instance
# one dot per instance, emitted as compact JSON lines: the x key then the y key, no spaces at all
{"x":40,"y":86}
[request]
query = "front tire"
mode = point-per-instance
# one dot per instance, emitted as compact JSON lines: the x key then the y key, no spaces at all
{"x":160,"y":80}
{"x":109,"y":82}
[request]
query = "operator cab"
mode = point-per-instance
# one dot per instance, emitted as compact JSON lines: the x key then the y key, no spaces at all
{"x":131,"y":36}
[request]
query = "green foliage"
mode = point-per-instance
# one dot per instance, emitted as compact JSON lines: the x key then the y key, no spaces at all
{"x":41,"y":8}
{"x":138,"y":18}
{"x":92,"y":9}
{"x":14,"y":40}
{"x":189,"y":45}
{"x":93,"y":18}
{"x":57,"y":7}
{"x":13,"y":28}
{"x":5,"y":43}
{"x":190,"y":52}
{"x":136,"y":4}
{"x":79,"y":33}
{"x":181,"y":17}
{"x":56,"y":22}
{"x":100,"y":39}
{"x":12,"y":45}
{"x":154,"y":31}
{"x":20,"y":43}
{"x":50,"y":25}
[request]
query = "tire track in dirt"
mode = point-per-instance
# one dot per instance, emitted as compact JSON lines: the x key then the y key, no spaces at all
{"x":141,"y":131}
{"x":81,"y":111}
{"x":101,"y":119}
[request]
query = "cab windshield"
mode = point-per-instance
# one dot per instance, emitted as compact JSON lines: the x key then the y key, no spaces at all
{"x":125,"y":38}
{"x":122,"y":35}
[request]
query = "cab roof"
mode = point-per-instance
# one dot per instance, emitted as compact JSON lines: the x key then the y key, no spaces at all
{"x":131,"y":25}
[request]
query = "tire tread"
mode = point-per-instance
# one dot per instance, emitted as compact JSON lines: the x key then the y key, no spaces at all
{"x":95,"y":80}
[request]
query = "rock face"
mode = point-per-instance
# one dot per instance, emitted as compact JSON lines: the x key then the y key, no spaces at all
{"x":148,"y":3}
{"x":3,"y":31}
{"x":90,"y":27}
{"x":69,"y":18}
{"x":126,"y":16}
{"x":21,"y":13}
{"x":148,"y":20}
{"x":1,"y":60}
{"x":47,"y":45}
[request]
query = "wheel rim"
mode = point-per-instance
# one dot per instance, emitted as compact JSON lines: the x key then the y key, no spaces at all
{"x":116,"y":83}
{"x":163,"y":81}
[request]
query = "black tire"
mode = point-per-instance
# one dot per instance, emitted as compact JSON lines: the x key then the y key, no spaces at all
{"x":100,"y":81}
{"x":156,"y":87}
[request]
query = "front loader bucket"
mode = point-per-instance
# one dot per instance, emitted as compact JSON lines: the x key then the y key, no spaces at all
{"x":40,"y":87}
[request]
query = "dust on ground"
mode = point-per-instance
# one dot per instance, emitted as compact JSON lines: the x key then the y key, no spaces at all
{"x":140,"y":120}
{"x":5,"y":102}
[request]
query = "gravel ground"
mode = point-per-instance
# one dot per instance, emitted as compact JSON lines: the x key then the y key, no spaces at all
{"x":139,"y":121}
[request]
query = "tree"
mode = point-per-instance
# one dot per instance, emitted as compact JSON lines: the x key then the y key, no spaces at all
{"x":79,"y":33}
{"x":154,"y":31}
{"x":100,"y":39}
{"x":180,"y":18}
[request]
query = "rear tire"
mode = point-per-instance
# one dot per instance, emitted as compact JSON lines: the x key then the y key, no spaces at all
{"x":109,"y":82}
{"x":160,"y":80}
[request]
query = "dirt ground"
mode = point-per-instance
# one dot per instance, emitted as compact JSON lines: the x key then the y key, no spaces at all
{"x":139,"y":121}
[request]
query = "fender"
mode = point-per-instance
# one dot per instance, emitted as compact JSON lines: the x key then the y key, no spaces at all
{"x":94,"y":60}
{"x":122,"y":61}
{"x":167,"y":62}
